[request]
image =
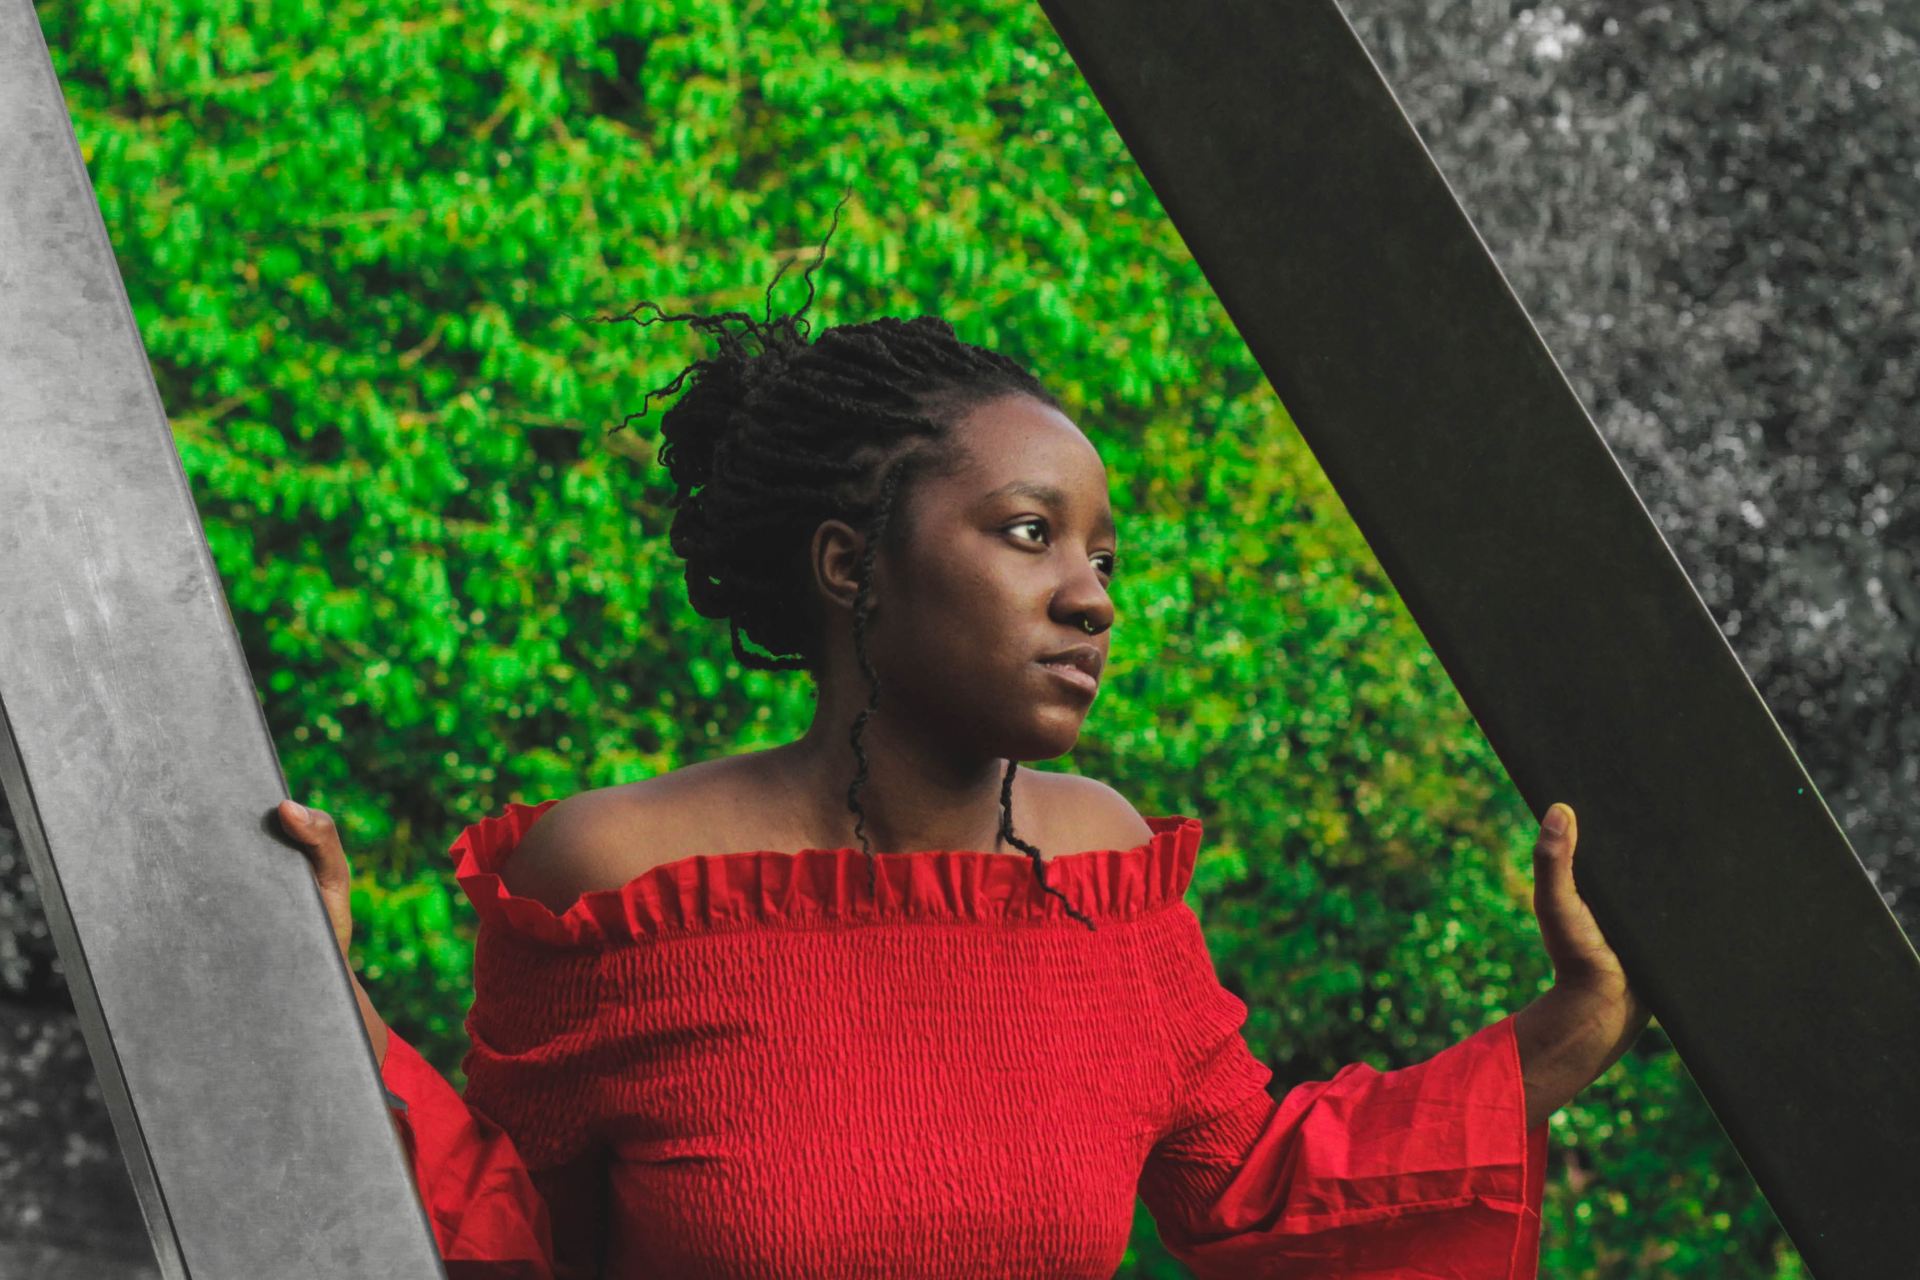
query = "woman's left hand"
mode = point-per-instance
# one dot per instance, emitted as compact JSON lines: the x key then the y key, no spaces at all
{"x":1580,"y":1028}
{"x":1574,"y":943}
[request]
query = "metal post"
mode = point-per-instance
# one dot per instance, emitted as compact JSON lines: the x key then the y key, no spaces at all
{"x":1493,"y":504}
{"x":136,"y":761}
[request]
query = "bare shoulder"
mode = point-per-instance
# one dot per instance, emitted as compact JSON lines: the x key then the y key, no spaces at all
{"x":1098,"y":816}
{"x":597,"y":839}
{"x":602,"y":839}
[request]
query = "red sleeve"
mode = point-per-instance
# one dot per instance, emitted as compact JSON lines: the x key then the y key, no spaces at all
{"x":490,"y":1219}
{"x":1428,"y":1170}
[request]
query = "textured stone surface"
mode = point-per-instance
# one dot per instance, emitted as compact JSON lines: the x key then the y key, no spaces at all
{"x":1709,"y":211}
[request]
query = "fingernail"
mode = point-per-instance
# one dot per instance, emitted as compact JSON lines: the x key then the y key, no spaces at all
{"x":1556,"y":821}
{"x":300,"y":812}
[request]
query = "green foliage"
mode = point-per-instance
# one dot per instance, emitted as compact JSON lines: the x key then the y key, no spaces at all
{"x":353,"y":236}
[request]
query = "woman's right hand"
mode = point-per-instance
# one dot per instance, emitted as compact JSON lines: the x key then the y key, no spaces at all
{"x":319,"y":839}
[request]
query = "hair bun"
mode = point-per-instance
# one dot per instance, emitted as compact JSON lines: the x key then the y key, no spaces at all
{"x":714,"y":404}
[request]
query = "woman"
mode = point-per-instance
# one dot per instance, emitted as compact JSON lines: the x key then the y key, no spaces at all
{"x":707,"y":1042}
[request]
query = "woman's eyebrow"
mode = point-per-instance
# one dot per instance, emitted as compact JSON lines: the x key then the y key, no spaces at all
{"x":1035,"y":489}
{"x":1049,"y":494}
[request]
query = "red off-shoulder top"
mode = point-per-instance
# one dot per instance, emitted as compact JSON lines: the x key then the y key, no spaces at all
{"x":744,"y":1065}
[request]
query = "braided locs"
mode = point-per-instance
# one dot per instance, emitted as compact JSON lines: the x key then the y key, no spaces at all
{"x":776,"y":434}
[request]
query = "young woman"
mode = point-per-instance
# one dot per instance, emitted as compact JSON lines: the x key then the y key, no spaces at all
{"x":717,"y":1032}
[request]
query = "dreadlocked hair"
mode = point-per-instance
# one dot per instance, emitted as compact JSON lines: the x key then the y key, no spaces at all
{"x":775,"y":434}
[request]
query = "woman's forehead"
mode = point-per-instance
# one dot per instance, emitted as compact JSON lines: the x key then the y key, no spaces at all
{"x":1018,"y":440}
{"x":1047,"y":465}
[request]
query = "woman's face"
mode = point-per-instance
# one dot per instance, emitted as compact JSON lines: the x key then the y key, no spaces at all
{"x":1006,"y":560}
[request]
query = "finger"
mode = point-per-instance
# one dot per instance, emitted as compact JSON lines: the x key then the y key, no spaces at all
{"x":1553,"y":853}
{"x":1556,"y":900}
{"x":315,"y":831}
{"x":1573,"y":938}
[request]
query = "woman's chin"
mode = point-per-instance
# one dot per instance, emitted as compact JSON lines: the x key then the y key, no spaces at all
{"x":1055,"y":732}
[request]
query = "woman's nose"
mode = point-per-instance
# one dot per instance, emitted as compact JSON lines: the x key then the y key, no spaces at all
{"x":1085,"y":596}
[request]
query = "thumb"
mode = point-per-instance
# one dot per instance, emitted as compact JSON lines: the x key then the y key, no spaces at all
{"x":1554,"y":848}
{"x":1555,"y":898}
{"x":319,"y":839}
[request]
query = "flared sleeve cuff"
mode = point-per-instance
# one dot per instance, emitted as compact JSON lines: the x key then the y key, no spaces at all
{"x":1424,"y":1173}
{"x":489,"y":1220}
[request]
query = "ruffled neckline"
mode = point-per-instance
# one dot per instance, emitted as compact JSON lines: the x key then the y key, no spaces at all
{"x":820,"y":888}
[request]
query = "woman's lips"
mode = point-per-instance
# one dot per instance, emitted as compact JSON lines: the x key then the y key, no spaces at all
{"x":1072,"y":675}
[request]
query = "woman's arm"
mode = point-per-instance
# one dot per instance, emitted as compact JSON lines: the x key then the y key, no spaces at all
{"x":314,"y":831}
{"x":1368,"y":1175}
{"x":1574,"y":1032}
{"x":488,"y":1217}
{"x":377,"y":1035}
{"x":1569,"y":1037}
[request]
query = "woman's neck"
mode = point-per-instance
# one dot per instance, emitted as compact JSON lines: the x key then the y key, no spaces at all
{"x":915,"y":796}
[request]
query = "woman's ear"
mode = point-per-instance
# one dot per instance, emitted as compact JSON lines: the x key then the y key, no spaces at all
{"x":833,"y":558}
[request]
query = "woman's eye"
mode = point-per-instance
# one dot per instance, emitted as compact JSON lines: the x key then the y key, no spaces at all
{"x":1027,"y":524}
{"x":1112,"y":560}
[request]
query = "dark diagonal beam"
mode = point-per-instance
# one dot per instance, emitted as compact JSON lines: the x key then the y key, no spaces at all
{"x":136,"y":761}
{"x":1572,"y":633}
